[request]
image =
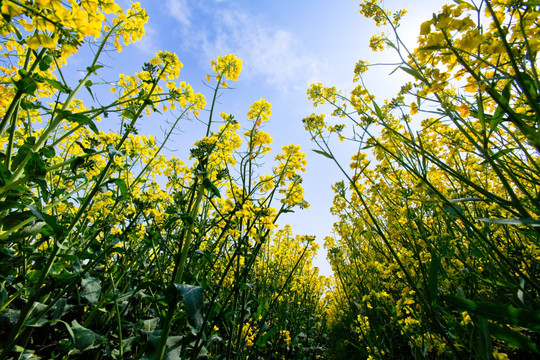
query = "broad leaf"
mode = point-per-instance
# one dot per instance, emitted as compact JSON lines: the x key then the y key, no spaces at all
{"x":91,"y":289}
{"x":192,"y":297}
{"x":57,"y":85}
{"x":26,"y":85}
{"x":78,"y":118}
{"x":35,"y":167}
{"x":513,"y":338}
{"x":85,"y":339}
{"x":529,"y":319}
{"x":208,"y":185}
{"x":45,"y":63}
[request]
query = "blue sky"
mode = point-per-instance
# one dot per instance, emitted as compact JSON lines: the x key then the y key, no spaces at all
{"x":285,"y":46}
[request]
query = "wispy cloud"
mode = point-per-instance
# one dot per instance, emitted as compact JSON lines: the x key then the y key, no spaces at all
{"x":274,"y":54}
{"x":149,"y":43}
{"x":179,"y":10}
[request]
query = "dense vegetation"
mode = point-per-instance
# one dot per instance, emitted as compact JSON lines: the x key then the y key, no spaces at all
{"x":109,"y":249}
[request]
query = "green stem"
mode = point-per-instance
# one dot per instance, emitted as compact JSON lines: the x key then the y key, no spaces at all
{"x":212,"y":107}
{"x":178,"y":273}
{"x":17,"y":173}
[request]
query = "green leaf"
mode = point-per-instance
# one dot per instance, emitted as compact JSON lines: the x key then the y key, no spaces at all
{"x":48,"y":152}
{"x":485,"y":345}
{"x":433,"y":279}
{"x":480,"y":114}
{"x":13,"y":219}
{"x":26,"y":85}
{"x":262,"y":341}
{"x":5,"y":174}
{"x":127,"y":113}
{"x":59,"y":309}
{"x":11,"y":204}
{"x":414,"y":73}
{"x":120,"y":183}
{"x":149,"y":325}
{"x":85,"y":150}
{"x":192,"y":297}
{"x":92,"y":69}
{"x":453,"y":209}
{"x":122,"y":186}
{"x":7,"y":17}
{"x":529,"y":222}
{"x":45,"y":63}
{"x":91,"y":289}
{"x":469,"y":5}
{"x":128,"y":343}
{"x":113,"y":152}
{"x":57,"y":85}
{"x":9,"y":317}
{"x":529,"y":319}
{"x":530,"y":84}
{"x":208,"y":185}
{"x":35,"y":211}
{"x":35,"y":167}
{"x":78,"y":118}
{"x":491,"y":281}
{"x":174,"y":348}
{"x":3,"y":295}
{"x":377,"y":110}
{"x":513,"y":338}
{"x":188,"y":220}
{"x":261,"y":309}
{"x":76,"y":163}
{"x":22,"y":153}
{"x":500,"y":154}
{"x":453,"y":201}
{"x":36,"y":323}
{"x":432,"y":47}
{"x":497,"y":117}
{"x":29,"y":105}
{"x":87,"y":85}
{"x":33,"y":228}
{"x":323,"y":153}
{"x":85,"y":339}
{"x":391,"y":44}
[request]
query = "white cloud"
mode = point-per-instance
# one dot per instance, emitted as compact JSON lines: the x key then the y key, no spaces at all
{"x":274,"y":54}
{"x":149,"y":43}
{"x":179,"y":10}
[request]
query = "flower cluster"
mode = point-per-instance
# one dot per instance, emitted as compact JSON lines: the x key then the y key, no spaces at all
{"x":433,"y":210}
{"x":226,"y":67}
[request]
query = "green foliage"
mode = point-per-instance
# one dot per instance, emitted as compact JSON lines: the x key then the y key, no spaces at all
{"x":108,"y":249}
{"x":436,"y":248}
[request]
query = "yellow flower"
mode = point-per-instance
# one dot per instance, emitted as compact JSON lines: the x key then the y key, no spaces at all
{"x":414,"y":108}
{"x":228,"y":66}
{"x":40,"y":40}
{"x":425,"y":28}
{"x":499,"y":356}
{"x":464,"y":111}
{"x":466,"y":318}
{"x":260,"y":110}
